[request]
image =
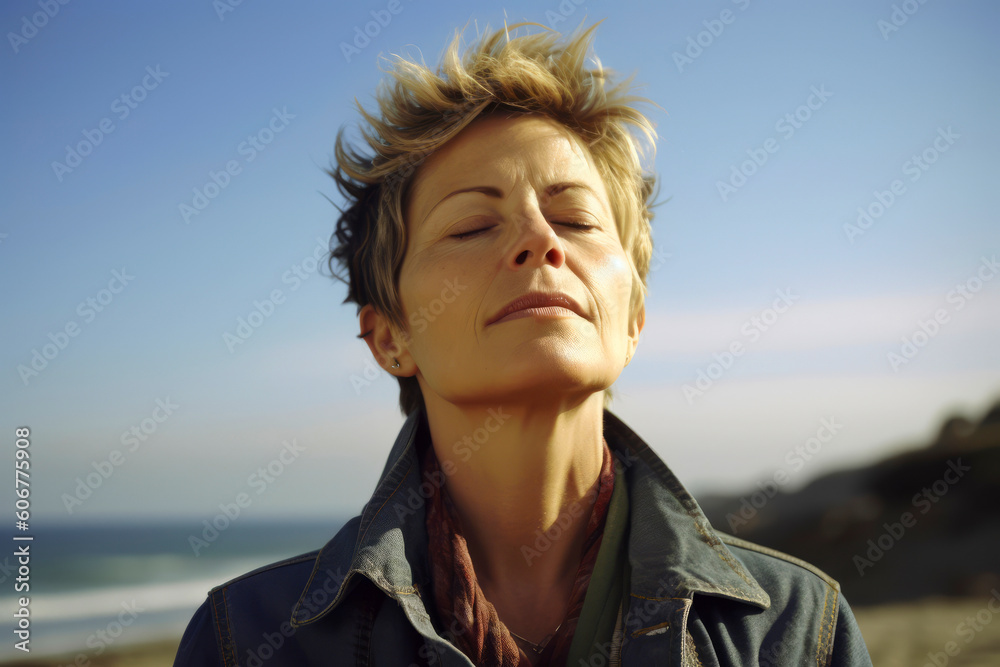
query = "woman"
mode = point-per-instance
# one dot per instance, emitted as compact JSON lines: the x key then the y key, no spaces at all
{"x":497,"y":245}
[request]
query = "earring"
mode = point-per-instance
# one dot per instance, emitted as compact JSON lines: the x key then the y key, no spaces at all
{"x":395,"y":365}
{"x":628,"y":357}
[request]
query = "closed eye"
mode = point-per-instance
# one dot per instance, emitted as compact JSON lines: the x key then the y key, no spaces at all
{"x":575,"y":225}
{"x":470,"y":233}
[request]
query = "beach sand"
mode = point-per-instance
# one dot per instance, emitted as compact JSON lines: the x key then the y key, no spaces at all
{"x":159,"y":654}
{"x":902,"y":635}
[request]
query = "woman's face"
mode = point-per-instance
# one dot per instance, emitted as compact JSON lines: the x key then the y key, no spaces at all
{"x":507,"y":207}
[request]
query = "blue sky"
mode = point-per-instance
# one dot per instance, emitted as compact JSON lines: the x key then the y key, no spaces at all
{"x":210,"y":80}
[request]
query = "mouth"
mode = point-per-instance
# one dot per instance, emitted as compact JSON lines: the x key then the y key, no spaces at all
{"x":538,"y":304}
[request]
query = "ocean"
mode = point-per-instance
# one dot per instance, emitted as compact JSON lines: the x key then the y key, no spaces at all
{"x":112,"y":584}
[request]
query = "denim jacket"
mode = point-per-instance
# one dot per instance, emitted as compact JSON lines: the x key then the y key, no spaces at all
{"x":695,"y":596}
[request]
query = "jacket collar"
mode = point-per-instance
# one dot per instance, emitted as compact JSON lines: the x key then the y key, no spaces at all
{"x":673,"y":550}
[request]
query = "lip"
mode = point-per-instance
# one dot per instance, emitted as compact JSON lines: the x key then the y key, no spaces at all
{"x":537,"y":300}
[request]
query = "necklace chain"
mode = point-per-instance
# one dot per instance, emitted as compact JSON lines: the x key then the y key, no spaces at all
{"x":540,"y":646}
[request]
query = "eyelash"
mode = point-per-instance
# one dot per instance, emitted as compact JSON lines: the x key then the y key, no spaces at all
{"x":582,"y":226}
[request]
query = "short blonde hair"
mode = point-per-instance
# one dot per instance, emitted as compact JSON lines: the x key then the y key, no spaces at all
{"x":421,"y":110}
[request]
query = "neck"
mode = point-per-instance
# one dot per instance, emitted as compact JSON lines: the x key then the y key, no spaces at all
{"x":523,"y":479}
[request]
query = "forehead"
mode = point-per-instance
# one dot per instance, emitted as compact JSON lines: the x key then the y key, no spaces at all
{"x":498,"y":151}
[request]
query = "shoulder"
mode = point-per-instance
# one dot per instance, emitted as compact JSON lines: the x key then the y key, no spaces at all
{"x":808,"y":596}
{"x":801,"y":621}
{"x":790,"y":582}
{"x":776,"y":567}
{"x":279,"y":585}
{"x":288,"y":571}
{"x":264,"y":596}
{"x":260,"y":603}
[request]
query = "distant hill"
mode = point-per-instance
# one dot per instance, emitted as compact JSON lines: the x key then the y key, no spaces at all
{"x":925,"y":522}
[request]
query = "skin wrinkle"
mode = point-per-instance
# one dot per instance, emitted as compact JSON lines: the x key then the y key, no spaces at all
{"x":546,"y":373}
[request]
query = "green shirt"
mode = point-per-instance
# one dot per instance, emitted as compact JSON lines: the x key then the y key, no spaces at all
{"x":608,"y":582}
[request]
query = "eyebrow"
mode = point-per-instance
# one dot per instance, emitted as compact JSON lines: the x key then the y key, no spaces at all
{"x":490,"y":191}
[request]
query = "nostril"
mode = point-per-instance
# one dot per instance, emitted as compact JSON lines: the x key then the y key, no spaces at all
{"x":523,"y":256}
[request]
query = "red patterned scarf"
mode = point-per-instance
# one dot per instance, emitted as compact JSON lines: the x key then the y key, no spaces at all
{"x":471,"y":620}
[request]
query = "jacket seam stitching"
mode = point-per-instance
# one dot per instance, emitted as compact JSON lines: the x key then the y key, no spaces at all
{"x":692,"y":648}
{"x":725,"y":556}
{"x":228,"y":651}
{"x":305,"y":621}
{"x":644,"y":453}
{"x":643,"y":597}
{"x":767,"y":551}
{"x":312,"y":575}
{"x":379,"y":510}
{"x":295,"y":560}
{"x":358,"y":541}
{"x":824,"y":640}
{"x":298,"y":603}
{"x":295,"y":622}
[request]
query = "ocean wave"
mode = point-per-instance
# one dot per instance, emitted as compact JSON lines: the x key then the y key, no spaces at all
{"x":108,"y":601}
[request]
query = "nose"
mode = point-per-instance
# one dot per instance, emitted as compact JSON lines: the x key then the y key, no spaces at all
{"x":535,"y":243}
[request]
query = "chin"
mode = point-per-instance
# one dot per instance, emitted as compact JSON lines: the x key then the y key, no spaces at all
{"x":541,"y":383}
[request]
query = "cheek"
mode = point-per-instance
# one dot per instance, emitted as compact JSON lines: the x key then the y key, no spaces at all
{"x":612,"y":276}
{"x":412,"y":295}
{"x":436,"y":302}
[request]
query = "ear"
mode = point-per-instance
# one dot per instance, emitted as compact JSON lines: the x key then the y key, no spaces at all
{"x":635,"y":328}
{"x":386,"y":344}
